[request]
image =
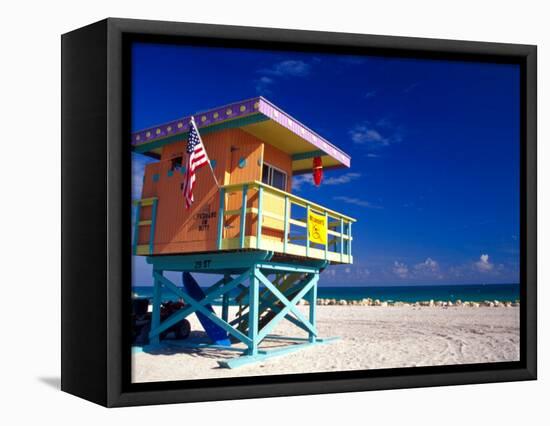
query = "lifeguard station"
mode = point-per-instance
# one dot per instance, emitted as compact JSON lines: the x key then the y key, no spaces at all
{"x":267,"y":245}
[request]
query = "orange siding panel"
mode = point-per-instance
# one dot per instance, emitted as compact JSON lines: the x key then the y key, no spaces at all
{"x":150,"y":186}
{"x":238,"y":158}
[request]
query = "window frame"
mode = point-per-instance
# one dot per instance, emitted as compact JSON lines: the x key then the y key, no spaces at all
{"x":270,"y":175}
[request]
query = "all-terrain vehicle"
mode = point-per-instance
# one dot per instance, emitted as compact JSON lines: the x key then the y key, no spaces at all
{"x":141,"y":321}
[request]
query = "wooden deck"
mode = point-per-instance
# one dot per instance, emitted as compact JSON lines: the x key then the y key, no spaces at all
{"x":256,"y":216}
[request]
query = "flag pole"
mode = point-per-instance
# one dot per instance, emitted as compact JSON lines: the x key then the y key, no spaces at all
{"x":206,"y":153}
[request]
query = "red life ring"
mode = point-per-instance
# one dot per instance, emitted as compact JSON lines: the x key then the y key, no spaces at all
{"x":317,"y":170}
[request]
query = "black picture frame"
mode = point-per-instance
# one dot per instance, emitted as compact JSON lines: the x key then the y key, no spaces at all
{"x":96,"y":213}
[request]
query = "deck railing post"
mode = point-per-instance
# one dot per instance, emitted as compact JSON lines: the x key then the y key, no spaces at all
{"x":326,"y":236}
{"x":259,"y":217}
{"x":308,"y":208}
{"x":341,"y":239}
{"x":287,"y":214}
{"x":253,"y":313}
{"x":136,"y":228}
{"x":153,"y":224}
{"x":243,"y":216}
{"x":221,"y":218}
{"x":349,"y":241}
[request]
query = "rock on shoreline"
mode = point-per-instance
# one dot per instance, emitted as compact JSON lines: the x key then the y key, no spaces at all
{"x":423,"y":303}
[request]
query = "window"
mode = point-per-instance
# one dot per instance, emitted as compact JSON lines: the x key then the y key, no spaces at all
{"x":176,"y":163}
{"x":274,"y":177}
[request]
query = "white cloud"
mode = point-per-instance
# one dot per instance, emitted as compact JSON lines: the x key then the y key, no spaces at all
{"x":357,"y":202}
{"x":299,"y":180}
{"x":288,"y":68}
{"x":483,"y":264}
{"x":338,"y":180}
{"x":307,"y":178}
{"x":400,"y":269}
{"x":428,"y":265}
{"x":370,"y":94}
{"x":284,"y":69}
{"x":370,"y":134}
{"x":362,"y":134}
{"x":428,"y":268}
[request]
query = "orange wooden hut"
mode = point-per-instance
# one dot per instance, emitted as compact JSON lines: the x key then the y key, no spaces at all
{"x":255,"y":149}
{"x":245,"y":225}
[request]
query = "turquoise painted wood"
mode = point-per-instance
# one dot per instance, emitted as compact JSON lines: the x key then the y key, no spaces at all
{"x":225,"y":299}
{"x":221,"y":211}
{"x":225,"y":262}
{"x":263,"y":355}
{"x":259,"y":224}
{"x":267,"y":329}
{"x":195,"y":306}
{"x":285,"y":237}
{"x":326,"y":245}
{"x":313,"y":310}
{"x":243,"y":216}
{"x":341,"y":239}
{"x":292,"y":307}
{"x":349,"y":239}
{"x":270,"y":301}
{"x":291,"y":319}
{"x":263,"y":310}
{"x":153,"y":226}
{"x":136,"y":229}
{"x":155,"y":315}
{"x":308,"y":209}
{"x":183,"y":137}
{"x":288,"y":267}
{"x":306,"y":155}
{"x":217,"y":334}
{"x":253,"y":297}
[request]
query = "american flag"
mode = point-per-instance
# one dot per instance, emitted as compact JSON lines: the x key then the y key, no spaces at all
{"x":196,"y":158}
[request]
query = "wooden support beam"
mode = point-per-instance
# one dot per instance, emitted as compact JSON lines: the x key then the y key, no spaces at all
{"x":289,"y":306}
{"x":197,"y":306}
{"x":221,"y":218}
{"x":259,"y":217}
{"x":253,"y":312}
{"x":243,"y":216}
{"x":136,"y":230}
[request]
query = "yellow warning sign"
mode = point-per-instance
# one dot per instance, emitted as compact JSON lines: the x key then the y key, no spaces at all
{"x":317,"y":228}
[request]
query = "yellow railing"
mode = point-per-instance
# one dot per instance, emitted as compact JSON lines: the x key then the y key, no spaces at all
{"x":273,"y":208}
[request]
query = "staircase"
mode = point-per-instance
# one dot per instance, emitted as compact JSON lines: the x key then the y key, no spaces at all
{"x":269,"y":304}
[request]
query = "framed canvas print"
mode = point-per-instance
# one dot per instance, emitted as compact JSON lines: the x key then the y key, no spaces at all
{"x":253,"y":212}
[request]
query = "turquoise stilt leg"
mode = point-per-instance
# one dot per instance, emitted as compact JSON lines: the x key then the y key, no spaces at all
{"x":253,"y":313}
{"x":225,"y":301}
{"x":155,"y":315}
{"x":313,"y":308}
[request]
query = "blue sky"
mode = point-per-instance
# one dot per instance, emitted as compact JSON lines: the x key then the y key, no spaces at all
{"x":434,"y":180}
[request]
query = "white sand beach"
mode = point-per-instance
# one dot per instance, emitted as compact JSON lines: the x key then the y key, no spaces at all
{"x":371,"y":337}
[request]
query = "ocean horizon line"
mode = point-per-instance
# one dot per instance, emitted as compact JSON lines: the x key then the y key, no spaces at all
{"x":334,"y":285}
{"x":472,"y":293}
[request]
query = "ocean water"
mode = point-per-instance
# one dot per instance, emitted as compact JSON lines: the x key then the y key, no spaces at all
{"x":416,"y":293}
